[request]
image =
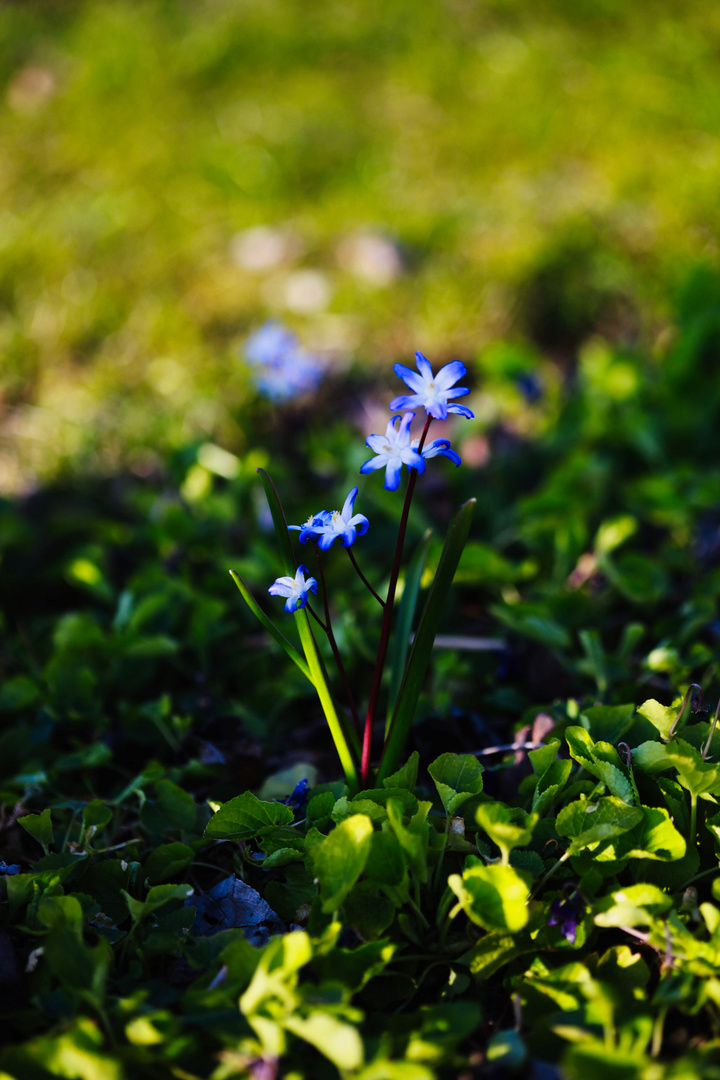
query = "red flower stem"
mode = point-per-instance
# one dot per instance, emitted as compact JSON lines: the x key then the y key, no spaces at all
{"x":387,"y":618}
{"x":364,"y":580}
{"x":333,"y":645}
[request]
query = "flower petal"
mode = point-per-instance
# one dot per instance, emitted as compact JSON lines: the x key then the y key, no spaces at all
{"x":406,"y":401}
{"x":392,"y":476}
{"x":409,"y":377}
{"x":450,"y":374}
{"x":348,"y":504}
{"x":378,"y":462}
{"x":461,"y":410}
{"x":424,"y":367}
{"x":360,"y":523}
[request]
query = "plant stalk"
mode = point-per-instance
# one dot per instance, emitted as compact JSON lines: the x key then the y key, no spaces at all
{"x":387,"y":618}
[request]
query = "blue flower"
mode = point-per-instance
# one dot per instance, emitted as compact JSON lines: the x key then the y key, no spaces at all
{"x":313,"y":528}
{"x":432,"y":392}
{"x":342,"y":523}
{"x":331,"y":525}
{"x":393,"y":450}
{"x":283,"y":370}
{"x":295,"y":589}
{"x":437,"y":448}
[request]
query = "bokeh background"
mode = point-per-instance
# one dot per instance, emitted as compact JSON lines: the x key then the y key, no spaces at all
{"x":505,"y":182}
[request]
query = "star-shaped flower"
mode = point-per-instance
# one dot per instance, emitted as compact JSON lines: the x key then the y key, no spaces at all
{"x":295,"y":589}
{"x":432,"y":392}
{"x":342,"y":524}
{"x":312,"y":529}
{"x":437,"y":448}
{"x":393,"y":450}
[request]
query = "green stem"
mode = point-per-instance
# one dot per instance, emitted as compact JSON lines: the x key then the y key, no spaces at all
{"x":387,"y":617}
{"x":334,"y":646}
{"x":693,"y":817}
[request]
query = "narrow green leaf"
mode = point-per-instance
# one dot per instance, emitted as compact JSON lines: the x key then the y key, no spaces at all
{"x":269,"y":625}
{"x":403,"y":626}
{"x":422,"y":646}
{"x":280,"y":523}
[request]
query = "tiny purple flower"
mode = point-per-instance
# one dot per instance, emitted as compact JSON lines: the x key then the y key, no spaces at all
{"x":393,"y":450}
{"x":567,"y":914}
{"x":432,"y":392}
{"x":295,"y":589}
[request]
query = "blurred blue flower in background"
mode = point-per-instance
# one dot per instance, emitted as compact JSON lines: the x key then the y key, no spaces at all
{"x":282,"y":370}
{"x":432,"y":392}
{"x":295,"y":589}
{"x":393,"y":450}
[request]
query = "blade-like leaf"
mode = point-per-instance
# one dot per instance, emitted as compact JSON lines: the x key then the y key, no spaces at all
{"x":422,"y":646}
{"x":269,"y":625}
{"x":343,"y":734}
{"x":280,"y":523}
{"x":403,"y":626}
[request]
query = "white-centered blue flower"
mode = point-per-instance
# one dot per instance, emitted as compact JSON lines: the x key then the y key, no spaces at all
{"x":313,"y":527}
{"x":393,"y":450}
{"x":432,"y":392}
{"x":343,"y":524}
{"x":295,"y":589}
{"x":437,"y":448}
{"x":331,"y":525}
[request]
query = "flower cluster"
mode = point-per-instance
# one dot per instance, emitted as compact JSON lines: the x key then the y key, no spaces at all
{"x":392,"y":450}
{"x":281,"y":367}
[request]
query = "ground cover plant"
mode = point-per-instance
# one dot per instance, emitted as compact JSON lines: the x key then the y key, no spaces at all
{"x":192,"y":888}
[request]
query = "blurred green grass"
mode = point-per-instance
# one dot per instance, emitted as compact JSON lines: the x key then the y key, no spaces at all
{"x":548,"y":170}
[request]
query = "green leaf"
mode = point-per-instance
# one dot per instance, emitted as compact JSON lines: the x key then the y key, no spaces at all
{"x":608,"y":723}
{"x":404,"y":623}
{"x":367,"y":911}
{"x":18,"y":694}
{"x":337,"y":1040}
{"x":600,"y":760}
{"x":413,"y":837}
{"x":506,"y":827}
{"x":660,"y":716}
{"x":406,"y":776}
{"x":96,"y":815}
{"x":655,"y":837}
{"x":156,"y":898}
{"x":542,"y":758}
{"x":39,"y":826}
{"x":245,"y":817}
{"x":340,"y":859}
{"x":269,"y":625}
{"x":457,"y":777}
{"x":587,"y":822}
{"x":635,"y":905}
{"x":424,"y":638}
{"x":166,"y":861}
{"x":495,"y":897}
{"x":652,"y":757}
{"x":171,"y":809}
